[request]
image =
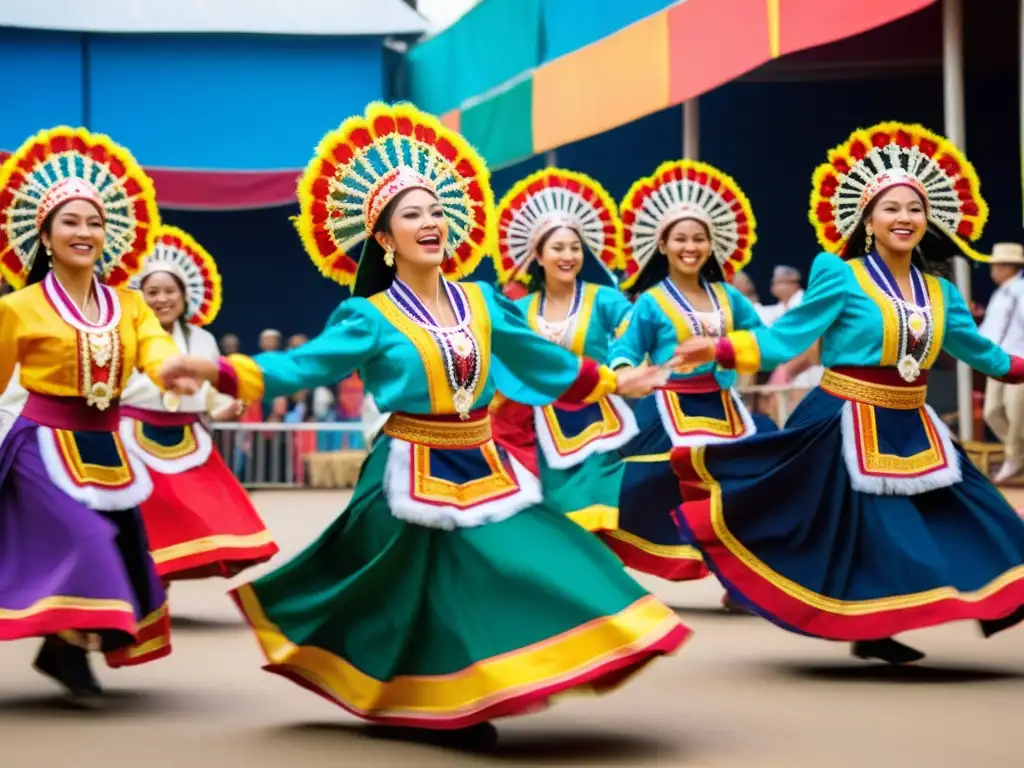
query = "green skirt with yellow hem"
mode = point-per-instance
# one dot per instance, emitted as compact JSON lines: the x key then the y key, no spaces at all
{"x":408,"y":624}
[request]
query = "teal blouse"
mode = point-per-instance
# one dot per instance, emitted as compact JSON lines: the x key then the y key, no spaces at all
{"x":401,"y":364}
{"x":658,"y":325}
{"x":602,"y":310}
{"x":859,"y":325}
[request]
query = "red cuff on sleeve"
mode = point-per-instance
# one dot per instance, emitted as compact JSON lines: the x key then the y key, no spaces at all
{"x":227,"y":379}
{"x":586,"y":381}
{"x":1016,"y":373}
{"x":725,"y":353}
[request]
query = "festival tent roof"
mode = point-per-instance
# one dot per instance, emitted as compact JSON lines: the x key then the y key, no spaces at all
{"x":272,"y":17}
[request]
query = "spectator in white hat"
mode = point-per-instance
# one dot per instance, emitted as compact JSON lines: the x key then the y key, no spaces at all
{"x":1004,"y":324}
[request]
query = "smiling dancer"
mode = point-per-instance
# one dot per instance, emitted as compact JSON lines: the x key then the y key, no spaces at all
{"x":199,"y":520}
{"x":863,"y":519}
{"x":76,"y":565}
{"x":446,"y":594}
{"x":558,"y":233}
{"x":686,"y":228}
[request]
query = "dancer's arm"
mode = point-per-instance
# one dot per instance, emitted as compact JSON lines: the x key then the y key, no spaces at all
{"x":635,"y":337}
{"x":154,"y":344}
{"x":763,"y":348}
{"x":964,"y":342}
{"x":535,"y":371}
{"x":349,"y":339}
{"x":8,"y":343}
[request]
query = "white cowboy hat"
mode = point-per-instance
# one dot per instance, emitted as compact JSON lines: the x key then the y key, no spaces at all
{"x":1007,"y":253}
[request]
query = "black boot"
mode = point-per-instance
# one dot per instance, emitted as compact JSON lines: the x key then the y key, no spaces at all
{"x":69,"y":665}
{"x":887,"y":650}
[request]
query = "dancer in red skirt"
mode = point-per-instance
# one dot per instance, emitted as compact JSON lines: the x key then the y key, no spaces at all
{"x":199,"y":519}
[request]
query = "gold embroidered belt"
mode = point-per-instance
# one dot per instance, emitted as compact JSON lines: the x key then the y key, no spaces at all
{"x":880,"y":387}
{"x":440,"y":431}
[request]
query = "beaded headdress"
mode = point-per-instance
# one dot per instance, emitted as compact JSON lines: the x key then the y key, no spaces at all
{"x":887,"y":155}
{"x":62,"y":164}
{"x":686,"y":189}
{"x":362,"y":165}
{"x":177,"y":253}
{"x":548,"y":199}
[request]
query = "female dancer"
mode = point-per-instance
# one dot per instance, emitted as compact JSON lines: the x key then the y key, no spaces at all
{"x":199,"y":520}
{"x":76,"y":565}
{"x":558,"y":232}
{"x":863,"y":519}
{"x":446,"y":594}
{"x":685,"y":229}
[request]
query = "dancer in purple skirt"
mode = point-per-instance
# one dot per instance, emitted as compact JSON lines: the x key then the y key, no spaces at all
{"x":77,"y":214}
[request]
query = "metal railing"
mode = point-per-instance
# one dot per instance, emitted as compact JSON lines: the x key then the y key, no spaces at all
{"x":273,"y":454}
{"x":265,"y":455}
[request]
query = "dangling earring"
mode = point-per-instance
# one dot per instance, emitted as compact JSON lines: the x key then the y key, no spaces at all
{"x":867,"y":241}
{"x":389,"y":257}
{"x":49,"y":256}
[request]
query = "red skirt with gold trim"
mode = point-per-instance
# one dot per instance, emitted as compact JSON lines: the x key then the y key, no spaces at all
{"x":199,"y":519}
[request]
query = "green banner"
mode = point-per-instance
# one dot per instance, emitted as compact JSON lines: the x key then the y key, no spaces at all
{"x":501,"y":127}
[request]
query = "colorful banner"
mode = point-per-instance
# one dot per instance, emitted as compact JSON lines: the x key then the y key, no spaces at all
{"x":678,"y":53}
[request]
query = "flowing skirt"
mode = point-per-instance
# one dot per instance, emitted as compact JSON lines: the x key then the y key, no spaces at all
{"x":648,"y":538}
{"x":575,"y":453}
{"x":433,"y":624}
{"x":779,"y":521}
{"x":199,"y":519}
{"x":67,"y":569}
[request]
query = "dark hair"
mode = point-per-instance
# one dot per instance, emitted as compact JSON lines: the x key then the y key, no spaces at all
{"x":40,"y":266}
{"x":186,"y":327}
{"x":40,"y":262}
{"x":535,"y":270}
{"x":657,"y":270}
{"x":933,"y":254}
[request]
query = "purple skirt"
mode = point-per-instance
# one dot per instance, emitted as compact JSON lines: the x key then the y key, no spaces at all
{"x":63,"y":566}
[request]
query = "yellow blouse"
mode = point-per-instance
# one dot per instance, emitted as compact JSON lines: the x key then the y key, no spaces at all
{"x":62,"y":358}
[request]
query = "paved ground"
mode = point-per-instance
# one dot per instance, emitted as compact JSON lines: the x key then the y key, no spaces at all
{"x":741,"y":694}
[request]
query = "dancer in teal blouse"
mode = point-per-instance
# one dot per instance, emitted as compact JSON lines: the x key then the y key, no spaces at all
{"x":863,"y":519}
{"x":447,"y":594}
{"x":687,"y":228}
{"x":558,"y":234}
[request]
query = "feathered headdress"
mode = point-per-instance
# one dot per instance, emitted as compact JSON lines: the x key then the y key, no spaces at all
{"x":62,"y":164}
{"x":362,"y":165}
{"x":178,"y":254}
{"x":896,"y":154}
{"x":552,"y":198}
{"x":686,"y":189}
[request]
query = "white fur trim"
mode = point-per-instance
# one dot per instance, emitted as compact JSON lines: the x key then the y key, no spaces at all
{"x":691,"y":441}
{"x":943,"y":477}
{"x":398,"y":489}
{"x":204,"y":447}
{"x":555,"y":460}
{"x":100,"y":499}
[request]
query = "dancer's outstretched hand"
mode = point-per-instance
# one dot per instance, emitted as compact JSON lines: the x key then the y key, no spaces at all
{"x":639,"y":381}
{"x":183,"y":374}
{"x":694,"y":352}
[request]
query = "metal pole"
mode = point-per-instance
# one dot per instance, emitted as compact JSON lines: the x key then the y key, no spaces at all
{"x":691,"y":129}
{"x":551,"y":158}
{"x":956,"y":132}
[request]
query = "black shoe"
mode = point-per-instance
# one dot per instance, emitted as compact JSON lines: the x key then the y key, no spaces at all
{"x":69,"y":666}
{"x":887,"y":650}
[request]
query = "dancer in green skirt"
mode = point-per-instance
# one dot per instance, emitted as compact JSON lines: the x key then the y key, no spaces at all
{"x":558,"y":236}
{"x":447,"y":594}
